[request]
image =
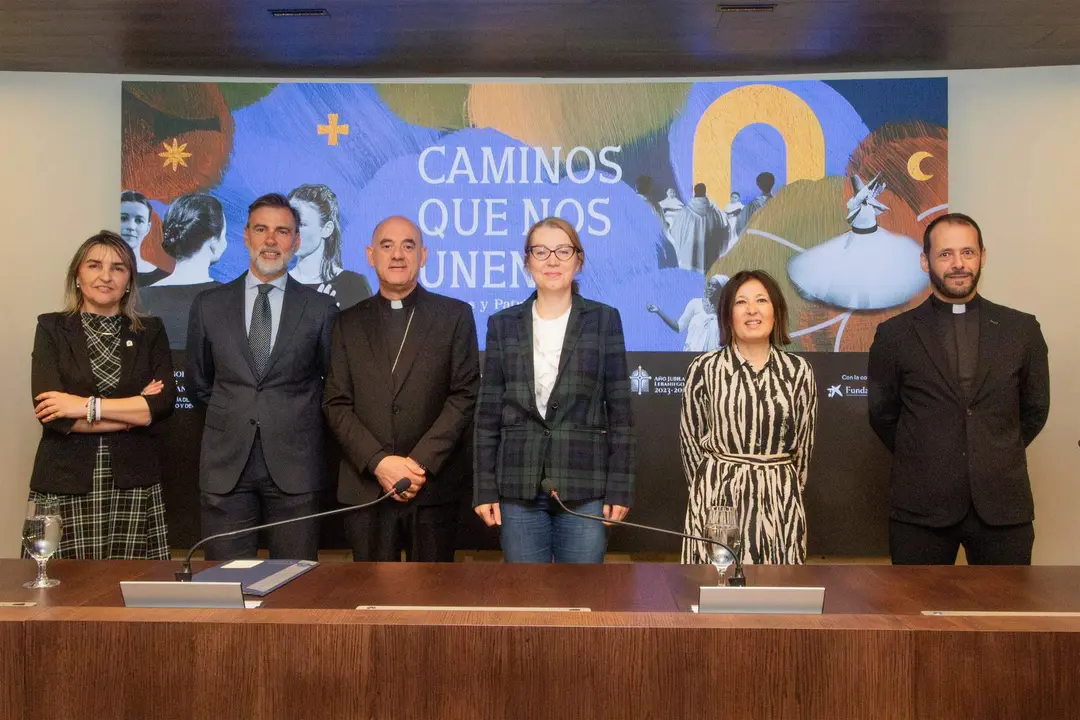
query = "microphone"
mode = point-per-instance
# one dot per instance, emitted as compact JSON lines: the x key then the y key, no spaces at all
{"x":184,"y":574}
{"x":737,"y":579}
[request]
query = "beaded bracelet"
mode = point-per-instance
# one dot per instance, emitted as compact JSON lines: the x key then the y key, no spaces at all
{"x":90,"y":411}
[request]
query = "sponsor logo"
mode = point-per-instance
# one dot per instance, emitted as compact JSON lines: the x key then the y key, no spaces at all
{"x":850,"y":386}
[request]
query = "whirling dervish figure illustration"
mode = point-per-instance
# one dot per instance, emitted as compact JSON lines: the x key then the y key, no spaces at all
{"x":866,"y":268}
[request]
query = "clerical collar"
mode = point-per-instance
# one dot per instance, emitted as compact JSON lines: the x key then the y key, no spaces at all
{"x":955,"y":308}
{"x":406,"y":302}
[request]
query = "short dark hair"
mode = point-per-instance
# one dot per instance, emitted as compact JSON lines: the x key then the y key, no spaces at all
{"x":138,"y":197}
{"x":765,"y":182}
{"x":726,"y":304}
{"x":274,"y":200}
{"x":953,"y":219}
{"x":189,"y":222}
{"x":700,"y":190}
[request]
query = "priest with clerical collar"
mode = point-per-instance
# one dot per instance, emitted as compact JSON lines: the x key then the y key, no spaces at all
{"x":958,"y":388}
{"x":399,"y":397}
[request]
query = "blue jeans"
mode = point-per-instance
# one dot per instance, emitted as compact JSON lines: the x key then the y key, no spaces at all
{"x":536,"y":531}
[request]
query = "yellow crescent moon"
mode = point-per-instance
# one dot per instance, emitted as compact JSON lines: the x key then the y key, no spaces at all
{"x":914,"y":165}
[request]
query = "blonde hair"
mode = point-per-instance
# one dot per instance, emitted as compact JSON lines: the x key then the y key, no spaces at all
{"x":73,"y":297}
{"x":558,"y":223}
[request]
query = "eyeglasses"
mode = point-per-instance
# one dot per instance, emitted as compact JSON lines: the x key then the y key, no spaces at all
{"x":541,"y":252}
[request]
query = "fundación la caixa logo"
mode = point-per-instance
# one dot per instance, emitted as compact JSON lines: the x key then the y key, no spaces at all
{"x":849,"y":386}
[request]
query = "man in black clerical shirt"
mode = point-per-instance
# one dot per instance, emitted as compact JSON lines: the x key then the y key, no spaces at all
{"x":959,"y":387}
{"x":399,"y":396}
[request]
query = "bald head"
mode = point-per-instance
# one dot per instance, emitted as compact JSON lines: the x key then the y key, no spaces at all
{"x":397,"y":253}
{"x":397,"y":226}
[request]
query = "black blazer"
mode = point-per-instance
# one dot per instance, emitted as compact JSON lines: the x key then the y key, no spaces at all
{"x":585,"y":443}
{"x":284,"y":404}
{"x":947,"y":452}
{"x":423,"y":412}
{"x":65,"y":460}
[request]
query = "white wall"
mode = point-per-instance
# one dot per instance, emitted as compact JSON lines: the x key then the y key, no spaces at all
{"x":59,"y":174}
{"x":1012,"y":152}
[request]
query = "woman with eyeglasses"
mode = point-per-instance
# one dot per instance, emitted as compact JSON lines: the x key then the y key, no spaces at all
{"x":554,"y":404}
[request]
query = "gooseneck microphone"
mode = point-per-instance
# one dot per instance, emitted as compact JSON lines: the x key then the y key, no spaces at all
{"x":737,"y":579}
{"x":184,"y":574}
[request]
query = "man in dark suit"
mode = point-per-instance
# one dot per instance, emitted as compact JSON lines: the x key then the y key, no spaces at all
{"x":404,"y":373}
{"x":257,"y":352}
{"x":959,"y":387}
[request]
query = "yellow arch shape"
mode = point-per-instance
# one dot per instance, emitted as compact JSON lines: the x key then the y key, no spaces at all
{"x":796,"y":122}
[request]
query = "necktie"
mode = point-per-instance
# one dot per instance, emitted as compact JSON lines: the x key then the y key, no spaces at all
{"x":259,"y":332}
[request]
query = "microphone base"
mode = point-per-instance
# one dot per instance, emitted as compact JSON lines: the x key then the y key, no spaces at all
{"x":736,"y":582}
{"x":183,"y":575}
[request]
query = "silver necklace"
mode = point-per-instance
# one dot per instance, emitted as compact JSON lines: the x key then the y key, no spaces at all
{"x":403,"y":338}
{"x":100,"y":333}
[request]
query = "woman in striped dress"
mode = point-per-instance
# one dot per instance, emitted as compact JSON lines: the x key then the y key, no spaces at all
{"x":747,"y":426}
{"x":101,"y":373}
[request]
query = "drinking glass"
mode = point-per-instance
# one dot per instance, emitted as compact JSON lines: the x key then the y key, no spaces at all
{"x":41,"y":538}
{"x":722,"y":524}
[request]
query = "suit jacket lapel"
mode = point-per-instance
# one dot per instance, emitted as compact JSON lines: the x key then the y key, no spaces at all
{"x":129,"y":347}
{"x":573,"y":332}
{"x":372,"y":324}
{"x":237,"y":311}
{"x":292,"y":309}
{"x":525,"y":341}
{"x":415,"y":335}
{"x":931,"y":340}
{"x":76,"y":339}
{"x":988,"y":335}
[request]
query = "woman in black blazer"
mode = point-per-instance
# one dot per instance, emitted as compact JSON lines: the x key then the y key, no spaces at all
{"x":554,"y":404}
{"x":101,"y":374}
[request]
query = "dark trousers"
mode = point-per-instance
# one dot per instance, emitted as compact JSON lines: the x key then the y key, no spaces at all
{"x":255,"y":500}
{"x":983,"y":544}
{"x":427,"y":533}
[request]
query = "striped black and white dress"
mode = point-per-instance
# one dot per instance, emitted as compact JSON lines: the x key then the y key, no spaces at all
{"x":745,"y":438}
{"x":109,"y":523}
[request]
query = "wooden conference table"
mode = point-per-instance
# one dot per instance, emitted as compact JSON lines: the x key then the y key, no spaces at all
{"x":639,"y":652}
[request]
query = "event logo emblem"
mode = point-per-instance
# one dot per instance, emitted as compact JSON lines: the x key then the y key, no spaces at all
{"x":639,"y":381}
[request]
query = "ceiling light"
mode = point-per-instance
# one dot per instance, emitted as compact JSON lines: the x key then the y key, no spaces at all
{"x":746,"y":8}
{"x":299,"y":12}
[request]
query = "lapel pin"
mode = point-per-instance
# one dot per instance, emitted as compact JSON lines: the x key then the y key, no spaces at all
{"x":129,"y":343}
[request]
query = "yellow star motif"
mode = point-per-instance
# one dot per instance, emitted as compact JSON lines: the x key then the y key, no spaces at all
{"x":174,"y":155}
{"x":332,"y":129}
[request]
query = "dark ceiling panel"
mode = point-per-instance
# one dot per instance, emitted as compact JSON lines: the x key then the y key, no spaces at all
{"x":535,"y":37}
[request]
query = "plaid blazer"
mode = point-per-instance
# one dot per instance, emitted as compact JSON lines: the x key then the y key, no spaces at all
{"x":585,"y":445}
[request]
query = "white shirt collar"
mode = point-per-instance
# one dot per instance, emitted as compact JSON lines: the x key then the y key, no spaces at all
{"x":254,"y":282}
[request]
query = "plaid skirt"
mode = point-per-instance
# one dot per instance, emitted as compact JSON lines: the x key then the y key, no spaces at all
{"x":111,"y":523}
